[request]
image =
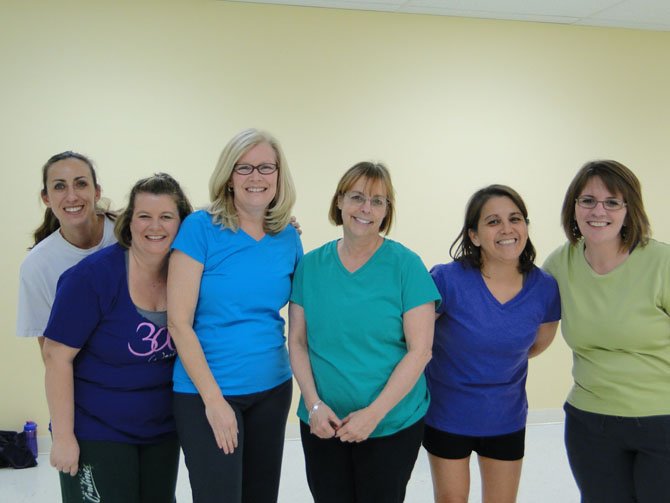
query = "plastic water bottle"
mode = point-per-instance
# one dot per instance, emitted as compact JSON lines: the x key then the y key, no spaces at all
{"x":30,"y":429}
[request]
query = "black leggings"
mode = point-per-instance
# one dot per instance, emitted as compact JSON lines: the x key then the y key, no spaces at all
{"x":375,"y":470}
{"x":251,"y":473}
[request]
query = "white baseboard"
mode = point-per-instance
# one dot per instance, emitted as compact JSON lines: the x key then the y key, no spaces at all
{"x":545,"y":416}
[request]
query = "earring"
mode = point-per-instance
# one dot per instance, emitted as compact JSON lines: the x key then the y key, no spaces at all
{"x":230,"y":189}
{"x":575,"y":229}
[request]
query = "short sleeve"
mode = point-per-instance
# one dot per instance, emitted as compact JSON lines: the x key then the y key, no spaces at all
{"x":297,"y":286}
{"x":553,"y":312}
{"x":417,"y":285}
{"x":192,"y":236}
{"x":76,"y":311}
{"x":34,"y":303}
{"x":438,"y":273}
{"x":299,"y":250}
{"x":552,"y":262}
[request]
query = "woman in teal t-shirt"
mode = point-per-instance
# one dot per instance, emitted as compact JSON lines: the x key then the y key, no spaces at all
{"x":361,"y":329}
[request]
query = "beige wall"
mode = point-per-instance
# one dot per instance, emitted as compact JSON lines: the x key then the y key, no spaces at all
{"x":449,"y":104}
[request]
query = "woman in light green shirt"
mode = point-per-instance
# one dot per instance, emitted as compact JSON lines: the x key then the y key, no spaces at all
{"x":615,"y":294}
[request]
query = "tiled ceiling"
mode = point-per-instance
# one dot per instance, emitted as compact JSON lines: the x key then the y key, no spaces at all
{"x":638,"y":14}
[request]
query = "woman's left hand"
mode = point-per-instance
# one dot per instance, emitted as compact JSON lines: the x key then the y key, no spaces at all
{"x":358,"y":425}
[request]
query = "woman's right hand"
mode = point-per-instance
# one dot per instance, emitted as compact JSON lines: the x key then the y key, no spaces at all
{"x":323,"y":422}
{"x":221,"y":417}
{"x":65,"y":454}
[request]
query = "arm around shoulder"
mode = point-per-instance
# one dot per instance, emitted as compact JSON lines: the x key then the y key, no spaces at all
{"x":545,"y":335}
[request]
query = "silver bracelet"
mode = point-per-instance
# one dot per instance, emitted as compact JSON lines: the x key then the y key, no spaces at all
{"x":313,"y":410}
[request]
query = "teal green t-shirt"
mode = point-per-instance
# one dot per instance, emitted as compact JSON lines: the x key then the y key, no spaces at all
{"x":355,"y":328}
{"x":618,"y":327}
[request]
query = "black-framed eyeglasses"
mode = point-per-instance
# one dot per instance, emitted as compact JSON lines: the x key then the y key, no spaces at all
{"x":358,"y":199}
{"x":611,"y":203}
{"x":246,"y":169}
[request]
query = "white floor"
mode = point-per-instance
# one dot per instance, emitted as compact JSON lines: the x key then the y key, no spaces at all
{"x":546,"y":476}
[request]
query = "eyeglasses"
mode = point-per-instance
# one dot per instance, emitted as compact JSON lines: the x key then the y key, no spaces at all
{"x":247,"y":169}
{"x":611,"y":203}
{"x":358,"y":199}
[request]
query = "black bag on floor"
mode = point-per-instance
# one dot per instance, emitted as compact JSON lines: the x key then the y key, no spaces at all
{"x":14,"y":452}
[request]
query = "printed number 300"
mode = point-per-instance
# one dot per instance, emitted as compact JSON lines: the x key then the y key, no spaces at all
{"x":157,"y":339}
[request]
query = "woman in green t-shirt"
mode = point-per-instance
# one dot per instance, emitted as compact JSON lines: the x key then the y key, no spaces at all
{"x":615,"y":294}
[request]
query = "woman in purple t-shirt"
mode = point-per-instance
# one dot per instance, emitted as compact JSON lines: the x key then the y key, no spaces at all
{"x":497,"y":310}
{"x":109,"y":359}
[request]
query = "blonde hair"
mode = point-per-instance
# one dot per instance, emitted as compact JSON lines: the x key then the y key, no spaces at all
{"x":222,"y":207}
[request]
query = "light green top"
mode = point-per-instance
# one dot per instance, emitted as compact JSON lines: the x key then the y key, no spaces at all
{"x":618,"y":327}
{"x":355,"y":328}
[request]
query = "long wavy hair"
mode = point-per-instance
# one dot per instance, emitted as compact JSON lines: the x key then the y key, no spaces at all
{"x":222,"y":207}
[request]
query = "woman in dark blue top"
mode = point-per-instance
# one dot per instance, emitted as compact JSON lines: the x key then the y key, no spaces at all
{"x":109,"y":359}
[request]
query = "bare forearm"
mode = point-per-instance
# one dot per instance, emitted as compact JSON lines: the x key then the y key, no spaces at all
{"x":59,"y":385}
{"x":543,"y":339}
{"x":302,"y":371}
{"x":403,"y":378}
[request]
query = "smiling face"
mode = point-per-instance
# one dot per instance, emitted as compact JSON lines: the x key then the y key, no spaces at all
{"x":360,"y":216}
{"x":254,"y":192}
{"x":599,"y":225}
{"x":502,"y":231}
{"x":71,"y":193}
{"x":154,"y":224}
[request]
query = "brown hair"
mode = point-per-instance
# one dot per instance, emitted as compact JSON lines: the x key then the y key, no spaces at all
{"x":374,"y":172}
{"x":464,"y":250}
{"x":617,"y":178}
{"x":158,"y":184}
{"x":50,"y":223}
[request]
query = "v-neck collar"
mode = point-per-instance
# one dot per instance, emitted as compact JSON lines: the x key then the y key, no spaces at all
{"x":513,"y":300}
{"x":362,"y":267}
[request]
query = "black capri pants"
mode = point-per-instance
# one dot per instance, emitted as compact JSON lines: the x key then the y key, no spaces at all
{"x":375,"y":470}
{"x":251,"y":473}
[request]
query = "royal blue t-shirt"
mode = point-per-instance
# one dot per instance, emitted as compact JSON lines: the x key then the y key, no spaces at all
{"x":244,"y":285}
{"x":123,"y":371}
{"x":477,"y":377}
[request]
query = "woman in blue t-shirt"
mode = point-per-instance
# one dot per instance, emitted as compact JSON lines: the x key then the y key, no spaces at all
{"x":230,"y":274}
{"x":498,"y":309}
{"x":360,"y":332}
{"x":109,"y":359}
